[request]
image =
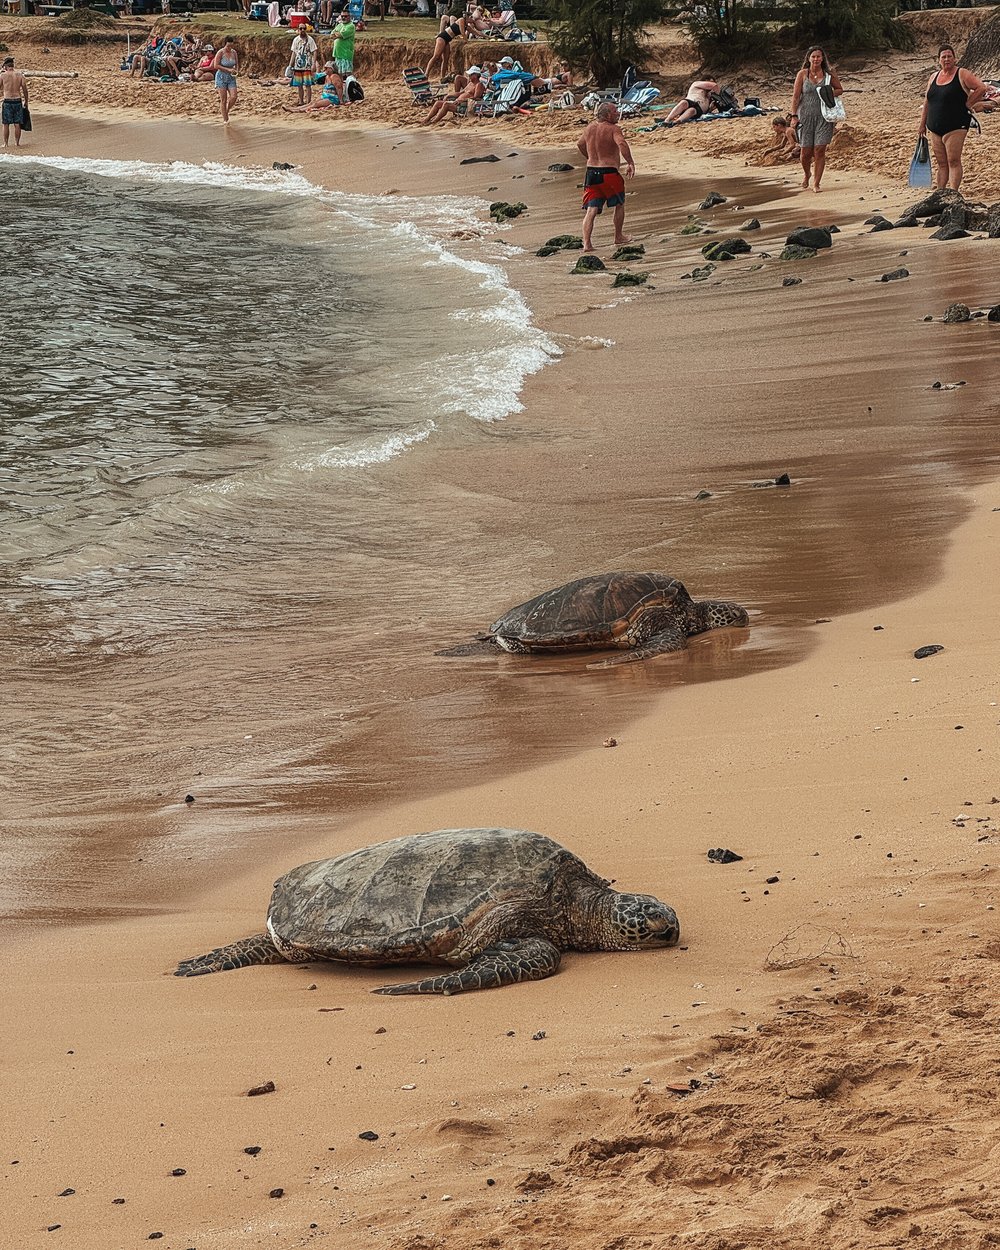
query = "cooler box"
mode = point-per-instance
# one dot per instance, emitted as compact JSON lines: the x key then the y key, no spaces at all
{"x":258,"y":11}
{"x":295,"y":20}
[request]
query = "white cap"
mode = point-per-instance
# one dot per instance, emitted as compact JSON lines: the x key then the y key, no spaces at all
{"x":506,"y":60}
{"x":473,"y":69}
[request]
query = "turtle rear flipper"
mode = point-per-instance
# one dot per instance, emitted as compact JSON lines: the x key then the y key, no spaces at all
{"x":258,"y":949}
{"x":504,"y":963}
{"x":673,"y":639}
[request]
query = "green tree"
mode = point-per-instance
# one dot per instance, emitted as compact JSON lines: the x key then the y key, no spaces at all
{"x":850,"y":25}
{"x":727,"y":32}
{"x":603,"y":36}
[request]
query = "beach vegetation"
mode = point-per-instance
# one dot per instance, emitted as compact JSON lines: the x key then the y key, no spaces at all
{"x":728,"y":32}
{"x":850,"y":25}
{"x":604,"y":37}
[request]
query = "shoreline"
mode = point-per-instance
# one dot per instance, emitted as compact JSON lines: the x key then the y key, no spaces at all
{"x":841,"y":774}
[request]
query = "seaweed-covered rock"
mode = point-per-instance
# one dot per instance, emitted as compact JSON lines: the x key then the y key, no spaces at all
{"x":560,"y":169}
{"x":793,"y":251}
{"x":588,"y":264}
{"x":895,"y":275}
{"x":700,"y":274}
{"x":691,"y":228}
{"x":565,"y":242}
{"x":629,"y":251}
{"x":957,"y":312}
{"x":628,"y":278}
{"x":712,"y":199}
{"x":791,"y":281}
{"x":500,"y":210}
{"x":814,"y":237}
{"x":717,"y":251}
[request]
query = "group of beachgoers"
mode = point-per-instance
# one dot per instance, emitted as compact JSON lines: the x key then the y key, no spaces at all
{"x":185,"y":58}
{"x":472,"y":87}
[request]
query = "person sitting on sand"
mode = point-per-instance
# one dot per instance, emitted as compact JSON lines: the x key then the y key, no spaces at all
{"x":147,"y":54}
{"x":333,"y":95}
{"x":697,"y":103}
{"x":786,"y":145}
{"x":451,"y":28}
{"x":204,"y":71}
{"x":473,"y":89}
{"x":182,"y":60}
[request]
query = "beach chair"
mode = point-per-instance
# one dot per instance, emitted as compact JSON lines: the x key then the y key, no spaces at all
{"x":420,"y":88}
{"x":637,"y":98}
{"x":509,"y":97}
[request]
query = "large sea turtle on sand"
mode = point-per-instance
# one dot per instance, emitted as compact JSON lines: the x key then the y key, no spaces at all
{"x":499,"y":905}
{"x":640,"y":614}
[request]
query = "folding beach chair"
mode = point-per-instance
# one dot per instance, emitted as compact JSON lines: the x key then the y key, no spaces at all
{"x":420,"y":88}
{"x":639,"y":97}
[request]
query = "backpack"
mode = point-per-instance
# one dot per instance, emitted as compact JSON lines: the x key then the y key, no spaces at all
{"x":723,"y":100}
{"x":353,"y":90}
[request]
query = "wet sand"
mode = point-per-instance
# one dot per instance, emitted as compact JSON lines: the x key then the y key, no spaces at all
{"x":840,"y":774}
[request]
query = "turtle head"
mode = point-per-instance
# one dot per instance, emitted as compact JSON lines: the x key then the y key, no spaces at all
{"x":635,"y":922}
{"x":714,"y":613}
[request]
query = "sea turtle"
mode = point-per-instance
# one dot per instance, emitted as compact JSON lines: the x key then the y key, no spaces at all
{"x":642,"y":614}
{"x":499,"y":905}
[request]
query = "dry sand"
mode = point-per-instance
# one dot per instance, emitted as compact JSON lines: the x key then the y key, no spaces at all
{"x":835,"y":1027}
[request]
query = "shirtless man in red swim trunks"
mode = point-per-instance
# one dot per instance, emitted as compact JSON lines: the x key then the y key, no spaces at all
{"x":605,"y":147}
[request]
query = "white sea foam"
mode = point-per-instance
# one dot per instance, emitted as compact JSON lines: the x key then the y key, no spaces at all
{"x":485,"y":381}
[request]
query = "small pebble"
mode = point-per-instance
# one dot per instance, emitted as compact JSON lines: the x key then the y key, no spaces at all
{"x":178,"y":1172}
{"x":252,"y":1150}
{"x":368,"y":1135}
{"x":537,"y":1037}
{"x":66,"y":1193}
{"x":268,"y":1087}
{"x":188,"y":798}
{"x":610,"y":742}
{"x":276,"y":1193}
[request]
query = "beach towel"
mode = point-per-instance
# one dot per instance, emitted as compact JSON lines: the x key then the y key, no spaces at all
{"x":920,"y":166}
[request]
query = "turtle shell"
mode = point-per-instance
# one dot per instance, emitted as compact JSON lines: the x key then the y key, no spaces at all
{"x":413,"y":897}
{"x":592,"y":611}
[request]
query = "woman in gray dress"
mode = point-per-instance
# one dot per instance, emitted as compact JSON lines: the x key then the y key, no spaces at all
{"x":815,"y":132}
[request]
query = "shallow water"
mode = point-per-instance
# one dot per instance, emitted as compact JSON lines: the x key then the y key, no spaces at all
{"x":247,"y":495}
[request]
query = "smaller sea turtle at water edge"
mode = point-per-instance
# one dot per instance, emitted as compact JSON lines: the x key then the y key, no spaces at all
{"x":498,"y":905}
{"x":640,"y":614}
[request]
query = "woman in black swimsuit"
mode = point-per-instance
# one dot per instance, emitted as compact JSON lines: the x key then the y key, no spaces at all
{"x":451,"y":28}
{"x":950,"y":96}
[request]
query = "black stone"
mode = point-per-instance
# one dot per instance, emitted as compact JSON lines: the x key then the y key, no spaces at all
{"x":588,"y":264}
{"x":882,"y":225}
{"x":500,"y":210}
{"x":721,"y":855}
{"x":904,"y":222}
{"x":772,"y":881}
{"x":252,"y":1150}
{"x":704,"y":494}
{"x":791,"y":281}
{"x":628,"y":278}
{"x":782,"y":480}
{"x":947,"y":233}
{"x":189,"y":798}
{"x":994,"y":313}
{"x":752,"y":224}
{"x":478,"y":160}
{"x":956,"y":313}
{"x":874,"y":221}
{"x":368,"y":1135}
{"x":922,"y":653}
{"x":712,"y":199}
{"x":629,"y":251}
{"x":815,"y":237}
{"x":268,"y":1087}
{"x":560,"y":169}
{"x":178,"y":1172}
{"x":276,"y":1193}
{"x":283,"y":165}
{"x":895,"y":275}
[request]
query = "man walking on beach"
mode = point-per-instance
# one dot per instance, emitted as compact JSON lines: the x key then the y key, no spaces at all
{"x":15,"y":100}
{"x":605,"y":147}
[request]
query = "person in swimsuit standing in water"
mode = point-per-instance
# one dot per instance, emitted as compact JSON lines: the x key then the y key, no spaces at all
{"x":951,"y":94}
{"x":814,"y":131}
{"x":451,"y":27}
{"x":226,"y":66}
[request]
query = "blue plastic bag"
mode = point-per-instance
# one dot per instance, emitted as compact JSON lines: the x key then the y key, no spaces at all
{"x":920,"y":166}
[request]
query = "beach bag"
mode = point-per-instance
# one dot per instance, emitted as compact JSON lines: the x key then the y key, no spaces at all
{"x":723,"y":100}
{"x":920,"y":166}
{"x":353,"y":90}
{"x":830,"y":105}
{"x":565,"y":100}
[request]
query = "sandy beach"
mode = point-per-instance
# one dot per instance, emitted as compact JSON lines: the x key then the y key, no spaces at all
{"x":814,"y":1063}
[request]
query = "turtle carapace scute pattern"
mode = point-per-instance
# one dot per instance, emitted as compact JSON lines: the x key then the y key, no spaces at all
{"x":496,"y":905}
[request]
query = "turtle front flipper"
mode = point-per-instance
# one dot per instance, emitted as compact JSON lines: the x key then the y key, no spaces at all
{"x":504,"y":963}
{"x":673,"y":639}
{"x":258,"y":949}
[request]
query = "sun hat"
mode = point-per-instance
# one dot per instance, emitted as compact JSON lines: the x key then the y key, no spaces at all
{"x":473,"y":69}
{"x":506,"y":60}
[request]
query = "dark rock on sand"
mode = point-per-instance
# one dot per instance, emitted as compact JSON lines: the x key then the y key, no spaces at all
{"x":717,"y":251}
{"x":66,"y":1193}
{"x":547,"y":251}
{"x":560,"y":169}
{"x":904,"y":223}
{"x":922,"y":653}
{"x":833,"y":229}
{"x":629,"y":251}
{"x":704,"y":494}
{"x":282,"y":165}
{"x":691,"y":228}
{"x":752,"y":224}
{"x":947,"y":233}
{"x":368,"y":1135}
{"x":874,"y":220}
{"x":500,"y":210}
{"x":566,"y":242}
{"x":712,"y":199}
{"x":794,"y":251}
{"x":955,"y":313}
{"x":252,"y":1150}
{"x":478,"y":160}
{"x":588,"y":264}
{"x":267,"y":1087}
{"x":814,"y":237}
{"x":936,"y":202}
{"x":782,"y":480}
{"x":895,"y":275}
{"x":701,"y":273}
{"x":994,"y":313}
{"x":276,"y":1193}
{"x":178,"y":1172}
{"x":721,"y":855}
{"x":791,"y":281}
{"x":882,"y":225}
{"x":628,"y":278}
